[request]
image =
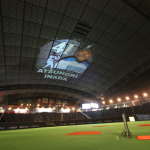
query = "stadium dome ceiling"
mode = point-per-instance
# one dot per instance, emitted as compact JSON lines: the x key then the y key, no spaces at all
{"x":79,"y":50}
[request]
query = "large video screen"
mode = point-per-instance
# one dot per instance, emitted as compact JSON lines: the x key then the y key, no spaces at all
{"x":86,"y":106}
{"x":63,"y":59}
{"x":90,"y":106}
{"x":94,"y":106}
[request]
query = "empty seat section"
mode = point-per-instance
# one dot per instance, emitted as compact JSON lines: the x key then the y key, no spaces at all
{"x":59,"y":116}
{"x":8,"y":117}
{"x":13,"y":115}
{"x":88,"y":113}
{"x":38,"y":116}
{"x":109,"y":113}
{"x":74,"y":115}
{"x":30,"y":117}
{"x":148,"y":108}
{"x":136,"y":109}
{"x":18,"y":117}
{"x":129,"y":111}
{"x":122,"y":110}
{"x":56,"y":116}
{"x":103,"y":113}
{"x":143,"y":108}
{"x":50,"y":116}
{"x":25,"y":118}
{"x":34,"y":117}
{"x":115,"y":112}
{"x":93,"y":114}
{"x":69,"y":116}
{"x":21,"y":117}
{"x":44,"y":117}
{"x":65,"y":116}
{"x":80,"y":115}
{"x":97,"y":114}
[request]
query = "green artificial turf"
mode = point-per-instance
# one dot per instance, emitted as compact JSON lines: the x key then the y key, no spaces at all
{"x":54,"y":138}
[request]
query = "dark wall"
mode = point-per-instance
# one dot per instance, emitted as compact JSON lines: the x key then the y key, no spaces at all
{"x":40,"y":117}
{"x":49,"y":117}
{"x":141,"y":109}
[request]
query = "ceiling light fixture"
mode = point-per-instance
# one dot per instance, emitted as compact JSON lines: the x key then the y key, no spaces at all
{"x":119,"y":99}
{"x":135,"y":96}
{"x":110,"y":101}
{"x":145,"y":94}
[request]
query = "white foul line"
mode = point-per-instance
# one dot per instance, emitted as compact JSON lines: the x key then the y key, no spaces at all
{"x":65,"y":139}
{"x":117,"y":137}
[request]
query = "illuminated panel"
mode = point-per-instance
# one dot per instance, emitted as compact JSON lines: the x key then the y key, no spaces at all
{"x":58,"y":102}
{"x":44,"y":100}
{"x":43,"y":110}
{"x":86,"y":106}
{"x":65,"y":110}
{"x":38,"y":101}
{"x":20,"y":110}
{"x":20,"y":101}
{"x":51,"y":101}
{"x":30,"y":101}
{"x":64,"y":59}
{"x":94,"y":106}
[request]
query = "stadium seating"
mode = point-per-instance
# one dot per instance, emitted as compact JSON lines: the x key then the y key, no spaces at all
{"x":101,"y":116}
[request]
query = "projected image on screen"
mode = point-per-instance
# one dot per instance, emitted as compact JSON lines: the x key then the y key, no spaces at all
{"x":56,"y":52}
{"x":61,"y":59}
{"x":76,"y":63}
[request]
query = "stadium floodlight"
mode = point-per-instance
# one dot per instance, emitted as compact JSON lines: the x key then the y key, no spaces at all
{"x":126,"y":130}
{"x":119,"y":99}
{"x":103,"y":102}
{"x":110,"y":100}
{"x":136,"y":96}
{"x":127,"y":98}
